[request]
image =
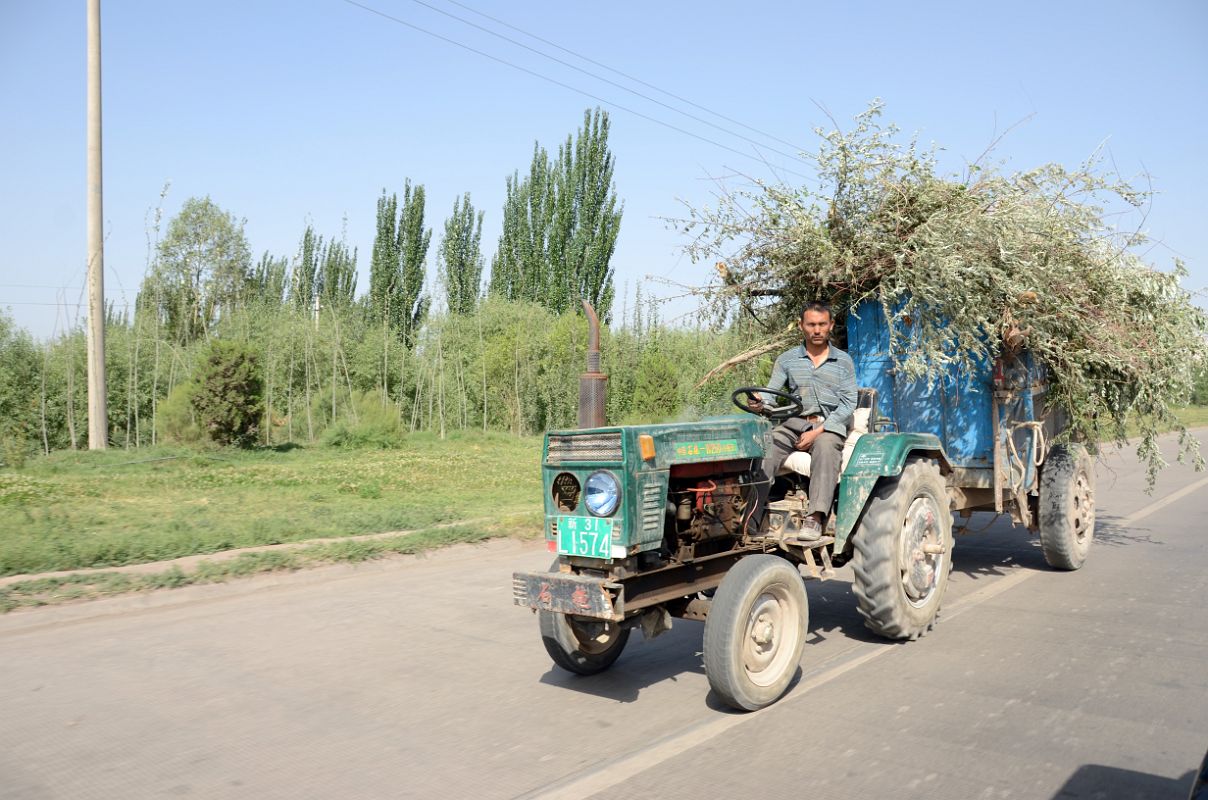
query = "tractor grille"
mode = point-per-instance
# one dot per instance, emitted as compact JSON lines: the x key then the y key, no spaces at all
{"x":565,"y":449}
{"x":652,"y":510}
{"x":519,"y":590}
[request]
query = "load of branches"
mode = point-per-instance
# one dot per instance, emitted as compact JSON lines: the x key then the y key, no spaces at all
{"x":965,"y":267}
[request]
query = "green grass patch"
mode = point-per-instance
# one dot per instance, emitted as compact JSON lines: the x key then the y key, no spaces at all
{"x":1189,"y":416}
{"x":82,"y":509}
{"x":93,"y":585}
{"x":1193,"y":416}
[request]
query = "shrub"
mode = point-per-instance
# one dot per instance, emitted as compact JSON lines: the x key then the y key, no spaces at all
{"x":175,"y":418}
{"x":656,"y":391}
{"x":371,"y":425}
{"x":229,"y":394}
{"x":1199,"y":391}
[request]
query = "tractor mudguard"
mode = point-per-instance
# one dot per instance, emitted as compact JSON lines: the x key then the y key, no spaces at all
{"x":876,"y":456}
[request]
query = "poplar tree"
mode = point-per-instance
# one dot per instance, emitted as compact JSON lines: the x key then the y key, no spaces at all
{"x":560,"y":225}
{"x":460,"y":256}
{"x":306,"y":269}
{"x":520,"y":268}
{"x":268,"y":279}
{"x":587,"y":217}
{"x":337,"y":281}
{"x":397,"y":266}
{"x":383,"y":264}
{"x":412,"y":247}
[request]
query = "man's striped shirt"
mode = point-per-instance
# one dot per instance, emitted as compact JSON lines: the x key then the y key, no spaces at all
{"x":828,"y":389}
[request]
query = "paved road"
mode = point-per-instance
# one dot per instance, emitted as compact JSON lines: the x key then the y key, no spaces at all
{"x":417,"y":678}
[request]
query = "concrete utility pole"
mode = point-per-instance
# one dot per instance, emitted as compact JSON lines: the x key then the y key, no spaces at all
{"x":98,"y":425}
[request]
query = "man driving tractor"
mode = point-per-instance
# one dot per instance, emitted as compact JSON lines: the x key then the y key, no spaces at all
{"x":823,"y":378}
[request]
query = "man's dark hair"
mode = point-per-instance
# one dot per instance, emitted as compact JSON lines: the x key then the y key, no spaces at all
{"x":816,"y":305}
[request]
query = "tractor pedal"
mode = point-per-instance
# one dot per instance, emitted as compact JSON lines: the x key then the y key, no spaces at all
{"x":810,"y":543}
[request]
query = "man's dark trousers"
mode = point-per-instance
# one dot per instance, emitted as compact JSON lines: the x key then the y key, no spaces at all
{"x":826,"y":453}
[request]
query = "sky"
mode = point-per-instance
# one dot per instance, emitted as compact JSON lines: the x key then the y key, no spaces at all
{"x":289,"y":114}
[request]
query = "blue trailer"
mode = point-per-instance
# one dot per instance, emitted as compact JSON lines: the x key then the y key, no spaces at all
{"x":976,"y":438}
{"x":646,"y":521}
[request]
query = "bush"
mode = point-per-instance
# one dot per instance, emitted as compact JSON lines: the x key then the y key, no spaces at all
{"x":175,"y":418}
{"x":656,"y":391}
{"x":14,"y":446}
{"x":371,"y":425}
{"x":1199,"y":391}
{"x":229,"y":394}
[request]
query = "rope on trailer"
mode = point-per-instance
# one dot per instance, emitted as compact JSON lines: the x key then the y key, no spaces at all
{"x":1038,"y":449}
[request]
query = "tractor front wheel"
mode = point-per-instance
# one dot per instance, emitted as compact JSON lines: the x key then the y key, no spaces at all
{"x":903,"y":552}
{"x":755,"y":631}
{"x":579,"y":644}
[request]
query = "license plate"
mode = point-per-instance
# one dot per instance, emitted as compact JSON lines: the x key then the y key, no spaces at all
{"x":590,"y":537}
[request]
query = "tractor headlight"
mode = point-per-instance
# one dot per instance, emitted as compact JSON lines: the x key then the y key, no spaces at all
{"x":602,"y":494}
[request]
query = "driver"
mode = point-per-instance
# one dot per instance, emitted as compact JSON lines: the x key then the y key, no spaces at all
{"x":823,"y":378}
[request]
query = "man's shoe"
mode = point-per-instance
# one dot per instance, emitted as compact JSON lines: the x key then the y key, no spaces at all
{"x":810,"y":531}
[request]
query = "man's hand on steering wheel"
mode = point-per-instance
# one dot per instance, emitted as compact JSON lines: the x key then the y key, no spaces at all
{"x":787,"y":405}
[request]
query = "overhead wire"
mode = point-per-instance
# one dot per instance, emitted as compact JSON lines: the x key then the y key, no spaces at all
{"x":610,"y":82}
{"x":77,"y":305}
{"x":34,"y":286}
{"x":563,"y":85}
{"x":624,"y":75}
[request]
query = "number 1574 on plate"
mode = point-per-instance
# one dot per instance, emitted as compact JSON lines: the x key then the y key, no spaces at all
{"x":585,"y":536}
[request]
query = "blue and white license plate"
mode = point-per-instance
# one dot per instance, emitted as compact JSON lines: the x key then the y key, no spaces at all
{"x":590,"y":537}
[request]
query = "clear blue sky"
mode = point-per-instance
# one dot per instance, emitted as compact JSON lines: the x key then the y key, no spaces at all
{"x":289,"y":113}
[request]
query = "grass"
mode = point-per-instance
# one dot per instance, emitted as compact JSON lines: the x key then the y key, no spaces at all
{"x":74,"y":510}
{"x":1193,"y":416}
{"x":92,"y":585}
{"x":80,"y":510}
{"x":1190,"y":416}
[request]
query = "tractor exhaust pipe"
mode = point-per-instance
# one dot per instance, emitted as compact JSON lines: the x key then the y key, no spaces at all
{"x":593,"y":384}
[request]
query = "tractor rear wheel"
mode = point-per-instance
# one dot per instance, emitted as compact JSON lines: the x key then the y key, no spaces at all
{"x":755,"y":632}
{"x":579,"y":644}
{"x":1067,"y":506}
{"x":903,"y":552}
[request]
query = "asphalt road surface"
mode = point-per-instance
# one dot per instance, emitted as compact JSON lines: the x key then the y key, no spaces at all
{"x":418,"y":678}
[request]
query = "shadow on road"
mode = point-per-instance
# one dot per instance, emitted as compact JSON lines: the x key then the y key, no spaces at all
{"x":644,"y":663}
{"x":986,"y":546}
{"x":1097,"y":781}
{"x":1110,"y":533}
{"x":990,"y":546}
{"x":833,"y":611}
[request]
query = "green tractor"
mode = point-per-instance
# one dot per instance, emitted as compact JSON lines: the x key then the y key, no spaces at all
{"x":646,"y":520}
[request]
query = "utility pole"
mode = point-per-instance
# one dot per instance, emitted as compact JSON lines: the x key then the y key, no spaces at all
{"x":98,"y":416}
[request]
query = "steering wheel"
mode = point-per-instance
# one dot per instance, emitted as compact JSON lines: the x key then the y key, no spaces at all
{"x":791,"y":405}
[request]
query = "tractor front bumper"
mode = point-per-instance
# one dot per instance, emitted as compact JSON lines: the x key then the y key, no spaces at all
{"x":567,"y":593}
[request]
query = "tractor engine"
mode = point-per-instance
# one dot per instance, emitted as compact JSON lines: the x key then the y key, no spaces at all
{"x":706,"y":508}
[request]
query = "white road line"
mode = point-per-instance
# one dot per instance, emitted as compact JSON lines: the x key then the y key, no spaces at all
{"x":1165,"y":501}
{"x":619,"y":770}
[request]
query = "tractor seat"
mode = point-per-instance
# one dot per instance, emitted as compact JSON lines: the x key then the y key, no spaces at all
{"x":799,"y":462}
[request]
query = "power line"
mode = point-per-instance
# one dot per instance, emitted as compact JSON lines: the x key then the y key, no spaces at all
{"x":598,"y":77}
{"x":624,"y":75}
{"x":35,"y":286}
{"x":556,"y":82}
{"x":76,"y":304}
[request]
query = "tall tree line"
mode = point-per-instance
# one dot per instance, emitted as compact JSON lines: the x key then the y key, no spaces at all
{"x":560,"y":224}
{"x":488,"y":360}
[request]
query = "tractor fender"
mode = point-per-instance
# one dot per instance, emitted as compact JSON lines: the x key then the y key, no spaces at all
{"x":876,"y":456}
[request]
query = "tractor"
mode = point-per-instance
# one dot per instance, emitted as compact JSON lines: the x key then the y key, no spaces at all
{"x":646,"y":521}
